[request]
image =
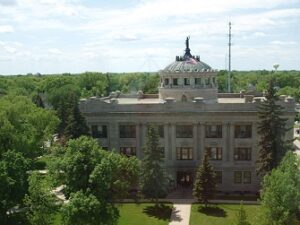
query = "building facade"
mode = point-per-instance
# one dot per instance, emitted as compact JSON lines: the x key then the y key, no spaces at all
{"x":192,"y":118}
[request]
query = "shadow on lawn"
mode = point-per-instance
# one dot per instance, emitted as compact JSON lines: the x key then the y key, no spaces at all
{"x":212,"y":211}
{"x":161,"y":212}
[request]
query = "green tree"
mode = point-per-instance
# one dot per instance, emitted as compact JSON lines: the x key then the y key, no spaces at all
{"x":281,"y":192}
{"x":242,"y":216}
{"x":92,"y":174}
{"x":24,"y":127}
{"x":153,"y":174}
{"x":271,"y":129}
{"x":13,"y":181}
{"x":205,"y":183}
{"x":40,"y":203}
{"x":86,"y":209}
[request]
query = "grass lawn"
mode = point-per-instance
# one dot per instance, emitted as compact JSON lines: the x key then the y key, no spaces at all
{"x":144,"y":214}
{"x":139,"y":214}
{"x":221,"y":214}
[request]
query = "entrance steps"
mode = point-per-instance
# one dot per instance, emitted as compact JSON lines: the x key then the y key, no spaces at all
{"x":181,"y":193}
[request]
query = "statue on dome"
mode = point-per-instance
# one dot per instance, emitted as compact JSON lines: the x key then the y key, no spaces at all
{"x":187,"y":42}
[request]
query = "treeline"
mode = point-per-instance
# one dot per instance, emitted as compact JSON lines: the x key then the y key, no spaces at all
{"x":101,"y":84}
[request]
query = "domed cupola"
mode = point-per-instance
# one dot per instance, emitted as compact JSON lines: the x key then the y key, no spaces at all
{"x":188,"y":78}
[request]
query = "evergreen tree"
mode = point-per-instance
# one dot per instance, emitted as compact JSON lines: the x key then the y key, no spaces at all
{"x":153,"y":175}
{"x":75,"y":124}
{"x":205,"y":183}
{"x":241,"y":216}
{"x":271,"y":129}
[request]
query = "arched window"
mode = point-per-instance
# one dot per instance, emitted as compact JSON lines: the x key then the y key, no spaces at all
{"x":184,"y":98}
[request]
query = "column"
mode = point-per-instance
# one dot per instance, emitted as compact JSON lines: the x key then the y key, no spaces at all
{"x":114,"y":136}
{"x":195,"y":141}
{"x":201,"y":135}
{"x":173,"y":141}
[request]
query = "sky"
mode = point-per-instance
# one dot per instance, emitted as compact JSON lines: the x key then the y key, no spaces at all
{"x":58,"y":36}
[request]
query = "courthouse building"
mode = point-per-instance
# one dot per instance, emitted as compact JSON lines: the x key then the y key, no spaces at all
{"x":192,"y":117}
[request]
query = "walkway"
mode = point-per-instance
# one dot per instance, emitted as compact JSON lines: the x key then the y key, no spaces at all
{"x":181,"y":212}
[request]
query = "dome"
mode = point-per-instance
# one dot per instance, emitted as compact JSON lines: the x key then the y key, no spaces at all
{"x":187,"y":62}
{"x":187,"y":66}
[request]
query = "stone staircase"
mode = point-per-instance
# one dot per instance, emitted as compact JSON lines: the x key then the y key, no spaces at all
{"x":181,"y":193}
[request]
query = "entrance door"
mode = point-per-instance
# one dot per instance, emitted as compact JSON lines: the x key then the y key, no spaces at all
{"x":184,"y":179}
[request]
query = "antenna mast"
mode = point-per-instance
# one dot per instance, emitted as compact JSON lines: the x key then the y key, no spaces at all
{"x":229,"y":59}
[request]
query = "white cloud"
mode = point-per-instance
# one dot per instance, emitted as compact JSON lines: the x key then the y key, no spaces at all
{"x":55,"y":51}
{"x":6,"y":29}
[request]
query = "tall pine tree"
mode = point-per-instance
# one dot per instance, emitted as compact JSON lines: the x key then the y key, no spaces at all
{"x":153,"y":175}
{"x":271,"y":128}
{"x":205,"y":183}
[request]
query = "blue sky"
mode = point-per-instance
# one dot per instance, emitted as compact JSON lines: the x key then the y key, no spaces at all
{"x":56,"y":36}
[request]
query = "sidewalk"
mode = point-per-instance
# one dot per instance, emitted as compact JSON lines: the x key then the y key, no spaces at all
{"x":181,"y":212}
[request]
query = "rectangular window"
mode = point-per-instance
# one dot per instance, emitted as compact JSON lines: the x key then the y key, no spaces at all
{"x":242,"y":177}
{"x":127,"y":131}
{"x":218,"y":177}
{"x":128,"y":151}
{"x":161,"y":131}
{"x":166,"y":81}
{"x":214,"y":153}
{"x":213,"y":131}
{"x":207,"y":81}
{"x":238,"y":177}
{"x":243,"y":131}
{"x":162,"y":150}
{"x":184,"y":153}
{"x":197,"y":81}
{"x":99,"y":131}
{"x":186,"y":81}
{"x":175,"y":81}
{"x":184,"y":131}
{"x":243,"y":154}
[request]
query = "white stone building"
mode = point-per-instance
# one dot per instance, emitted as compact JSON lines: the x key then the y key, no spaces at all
{"x":192,"y":118}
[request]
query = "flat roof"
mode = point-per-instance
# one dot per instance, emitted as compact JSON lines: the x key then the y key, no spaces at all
{"x":161,"y":101}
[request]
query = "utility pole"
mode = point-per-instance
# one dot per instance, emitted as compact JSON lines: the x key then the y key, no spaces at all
{"x":229,"y":59}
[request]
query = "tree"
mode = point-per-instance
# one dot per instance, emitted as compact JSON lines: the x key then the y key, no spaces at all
{"x":93,"y":178}
{"x":41,"y":204}
{"x":205,"y":183}
{"x":153,"y":175}
{"x":86,"y":209}
{"x":13,"y":181}
{"x":75,"y":124}
{"x":24,"y":127}
{"x":271,"y":129}
{"x":281,"y":192}
{"x":242,"y":216}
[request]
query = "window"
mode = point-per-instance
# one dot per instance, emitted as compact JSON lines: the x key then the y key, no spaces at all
{"x":213,"y":131}
{"x":243,"y":131}
{"x":99,"y":131}
{"x":184,"y":131}
{"x":207,"y":81}
{"x":186,"y":81}
{"x":184,"y":153}
{"x":198,"y":81}
{"x":166,"y":81}
{"x":161,"y":131}
{"x":127,"y":131}
{"x":162,"y":150}
{"x":128,"y":151}
{"x":218,"y":177}
{"x":214,"y":153}
{"x":243,"y":154}
{"x":242,"y":177}
{"x":175,"y":81}
{"x":105,"y":148}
